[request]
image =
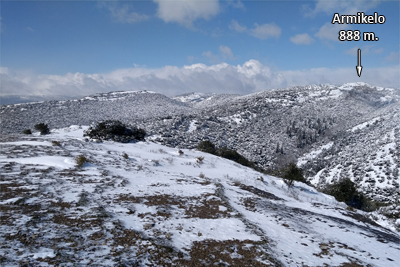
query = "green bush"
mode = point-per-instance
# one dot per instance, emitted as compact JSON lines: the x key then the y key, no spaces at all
{"x":293,"y":173}
{"x":290,"y":173}
{"x":207,"y":146}
{"x":27,"y":131}
{"x":235,"y":156}
{"x":42,"y":128}
{"x":231,"y":154}
{"x":346,"y":191}
{"x":116,"y":131}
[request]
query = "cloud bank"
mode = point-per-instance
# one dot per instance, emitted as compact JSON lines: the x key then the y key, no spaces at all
{"x":250,"y":77}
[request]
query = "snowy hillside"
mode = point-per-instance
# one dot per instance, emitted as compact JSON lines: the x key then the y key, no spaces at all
{"x":332,"y":131}
{"x":145,"y":204}
{"x":124,"y":106}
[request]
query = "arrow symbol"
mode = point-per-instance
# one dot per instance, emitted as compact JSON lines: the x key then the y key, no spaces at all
{"x":359,"y":67}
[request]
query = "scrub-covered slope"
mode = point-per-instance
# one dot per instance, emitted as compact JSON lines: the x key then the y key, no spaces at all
{"x":144,"y":204}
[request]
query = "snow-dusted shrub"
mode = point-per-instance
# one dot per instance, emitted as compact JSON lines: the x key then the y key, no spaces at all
{"x":115,"y":131}
{"x":42,"y":128}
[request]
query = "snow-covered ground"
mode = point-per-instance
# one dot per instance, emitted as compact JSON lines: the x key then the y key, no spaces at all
{"x":147,"y":204}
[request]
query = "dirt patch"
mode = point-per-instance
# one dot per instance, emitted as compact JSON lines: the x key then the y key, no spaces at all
{"x":250,"y":203}
{"x":84,"y":222}
{"x":258,"y":192}
{"x":207,"y":206}
{"x":225,"y":253}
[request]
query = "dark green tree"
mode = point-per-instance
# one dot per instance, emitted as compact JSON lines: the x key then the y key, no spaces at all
{"x":292,"y":173}
{"x":207,"y":146}
{"x":42,"y":128}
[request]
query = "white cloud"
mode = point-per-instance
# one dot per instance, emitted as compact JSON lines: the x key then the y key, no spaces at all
{"x":226,"y":52}
{"x":329,"y":32}
{"x":263,"y":31}
{"x":211,"y":57}
{"x":236,"y":4}
{"x":185,"y":12}
{"x":365,"y":50}
{"x":237,"y":27}
{"x":303,"y":38}
{"x":190,"y":59}
{"x":343,"y":7}
{"x":393,"y":57}
{"x":123,"y":13}
{"x":250,"y":77}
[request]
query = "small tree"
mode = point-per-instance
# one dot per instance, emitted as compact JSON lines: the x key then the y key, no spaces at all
{"x":42,"y":128}
{"x":292,"y":173}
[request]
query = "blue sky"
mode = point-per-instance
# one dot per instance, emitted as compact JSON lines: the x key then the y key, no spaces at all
{"x":172,"y":47}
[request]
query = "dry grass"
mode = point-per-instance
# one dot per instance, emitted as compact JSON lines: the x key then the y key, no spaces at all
{"x":225,"y":253}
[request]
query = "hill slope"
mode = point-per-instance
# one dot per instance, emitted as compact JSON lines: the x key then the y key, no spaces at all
{"x":155,"y":206}
{"x":331,"y":131}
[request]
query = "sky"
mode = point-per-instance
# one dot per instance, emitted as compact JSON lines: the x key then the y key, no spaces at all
{"x":77,"y":48}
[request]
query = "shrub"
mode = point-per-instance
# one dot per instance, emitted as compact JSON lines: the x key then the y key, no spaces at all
{"x":55,"y":143}
{"x":42,"y":128}
{"x":235,"y":156}
{"x":231,"y":154}
{"x":346,"y":191}
{"x":180,"y":152}
{"x":207,"y":146}
{"x":80,"y":161}
{"x":199,"y":160}
{"x":27,"y":131}
{"x":293,"y":173}
{"x":116,"y":131}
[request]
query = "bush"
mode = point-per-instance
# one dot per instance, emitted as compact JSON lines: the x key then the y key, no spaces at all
{"x":27,"y":131}
{"x":80,"y":161}
{"x":42,"y":128}
{"x":116,"y":131}
{"x":345,"y":191}
{"x":206,"y":146}
{"x":293,"y":173}
{"x":55,"y":143}
{"x":231,"y":154}
{"x":235,"y":156}
{"x":199,"y":160}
